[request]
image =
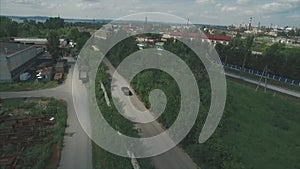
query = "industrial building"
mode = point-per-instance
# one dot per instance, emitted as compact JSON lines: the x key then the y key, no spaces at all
{"x":15,"y":58}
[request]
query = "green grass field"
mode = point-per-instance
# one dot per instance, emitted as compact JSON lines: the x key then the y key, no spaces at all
{"x":258,"y":131}
{"x":266,"y":129}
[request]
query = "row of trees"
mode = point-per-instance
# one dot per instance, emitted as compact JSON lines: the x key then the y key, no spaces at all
{"x":281,"y":60}
{"x":10,"y":28}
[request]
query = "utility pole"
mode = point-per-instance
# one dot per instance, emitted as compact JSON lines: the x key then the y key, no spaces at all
{"x":266,"y":78}
{"x":244,"y":62}
{"x":264,"y":75}
{"x":249,"y":42}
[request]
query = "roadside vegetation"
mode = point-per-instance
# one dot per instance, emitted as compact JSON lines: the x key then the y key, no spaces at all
{"x":101,"y":158}
{"x":39,"y":127}
{"x":28,"y":85}
{"x":257,"y":130}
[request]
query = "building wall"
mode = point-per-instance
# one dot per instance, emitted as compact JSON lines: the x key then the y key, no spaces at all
{"x":13,"y":65}
{"x":5,"y":75}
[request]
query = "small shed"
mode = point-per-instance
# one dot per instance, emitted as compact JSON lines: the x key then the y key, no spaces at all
{"x":58,"y":76}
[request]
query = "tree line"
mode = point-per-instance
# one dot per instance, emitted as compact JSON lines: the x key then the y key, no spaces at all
{"x":279,"y":58}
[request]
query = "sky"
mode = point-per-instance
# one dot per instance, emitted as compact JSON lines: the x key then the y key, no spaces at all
{"x":226,"y":12}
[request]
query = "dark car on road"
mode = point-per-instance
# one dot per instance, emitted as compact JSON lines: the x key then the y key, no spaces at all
{"x":126,"y":91}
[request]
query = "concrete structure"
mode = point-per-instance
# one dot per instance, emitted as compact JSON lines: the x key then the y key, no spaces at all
{"x":15,"y":58}
{"x":36,"y":41}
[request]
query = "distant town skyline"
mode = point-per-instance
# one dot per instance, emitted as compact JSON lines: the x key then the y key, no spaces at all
{"x":236,"y":12}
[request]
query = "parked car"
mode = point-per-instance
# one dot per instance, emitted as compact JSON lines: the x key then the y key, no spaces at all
{"x":126,"y":91}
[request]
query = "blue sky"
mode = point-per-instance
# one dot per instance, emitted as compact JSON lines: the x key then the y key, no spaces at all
{"x":226,"y":12}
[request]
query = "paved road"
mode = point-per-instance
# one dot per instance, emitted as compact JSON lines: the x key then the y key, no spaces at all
{"x":269,"y":86}
{"x":175,"y":158}
{"x":77,"y":151}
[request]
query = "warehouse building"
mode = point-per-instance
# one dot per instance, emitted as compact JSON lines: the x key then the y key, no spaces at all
{"x":15,"y":58}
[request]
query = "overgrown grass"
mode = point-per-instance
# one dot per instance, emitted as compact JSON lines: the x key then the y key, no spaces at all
{"x":32,"y":84}
{"x":24,"y":86}
{"x":260,"y":46}
{"x":258,"y":131}
{"x":39,"y":107}
{"x":101,"y":158}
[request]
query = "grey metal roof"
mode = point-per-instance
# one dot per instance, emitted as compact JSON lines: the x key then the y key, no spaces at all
{"x":8,"y":48}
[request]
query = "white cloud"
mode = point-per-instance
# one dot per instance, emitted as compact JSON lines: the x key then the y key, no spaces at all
{"x":294,"y":16}
{"x":291,"y":1}
{"x":228,"y":8}
{"x":204,"y":1}
{"x":242,"y":1}
{"x":219,"y":5}
{"x":26,"y":1}
{"x":276,"y":6}
{"x":199,"y":11}
{"x":271,"y":8}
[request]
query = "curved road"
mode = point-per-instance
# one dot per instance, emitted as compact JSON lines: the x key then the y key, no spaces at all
{"x":175,"y":158}
{"x":77,"y":151}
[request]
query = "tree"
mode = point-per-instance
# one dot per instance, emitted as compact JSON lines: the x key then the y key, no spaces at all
{"x":223,"y":33}
{"x":53,"y":44}
{"x":54,"y":23}
{"x":8,"y":28}
{"x":291,"y":33}
{"x":248,"y":46}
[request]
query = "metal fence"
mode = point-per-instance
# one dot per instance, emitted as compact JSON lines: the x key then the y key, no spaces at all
{"x":268,"y":75}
